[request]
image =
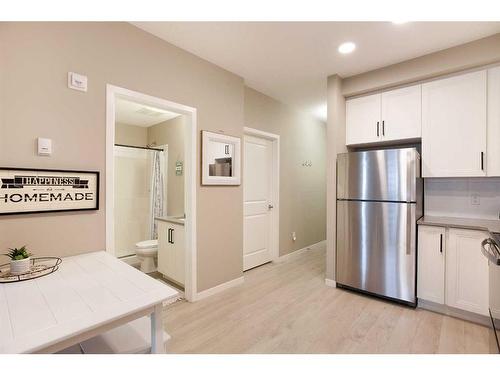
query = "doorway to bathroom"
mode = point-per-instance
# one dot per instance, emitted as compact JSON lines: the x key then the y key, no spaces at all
{"x":150,"y":186}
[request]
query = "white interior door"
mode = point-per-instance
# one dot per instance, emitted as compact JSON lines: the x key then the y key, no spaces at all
{"x":257,"y":192}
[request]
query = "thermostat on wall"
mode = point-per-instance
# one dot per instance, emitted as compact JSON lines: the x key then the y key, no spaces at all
{"x":44,"y":146}
{"x":77,"y":81}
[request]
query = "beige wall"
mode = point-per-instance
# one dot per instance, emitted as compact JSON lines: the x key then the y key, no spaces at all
{"x":35,"y":101}
{"x":302,"y":189}
{"x":480,"y":52}
{"x":131,"y":135}
{"x":171,"y":133}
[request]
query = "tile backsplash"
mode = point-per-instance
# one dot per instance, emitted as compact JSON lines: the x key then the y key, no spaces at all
{"x":463,"y":197}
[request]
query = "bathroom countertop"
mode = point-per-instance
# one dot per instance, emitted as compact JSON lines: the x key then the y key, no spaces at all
{"x":171,"y":219}
{"x":461,"y":222}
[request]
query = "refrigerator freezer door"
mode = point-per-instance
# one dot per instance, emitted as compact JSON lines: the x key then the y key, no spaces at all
{"x":376,"y":248}
{"x":381,"y":175}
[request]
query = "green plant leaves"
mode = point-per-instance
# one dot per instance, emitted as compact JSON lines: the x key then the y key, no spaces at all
{"x":18,"y":254}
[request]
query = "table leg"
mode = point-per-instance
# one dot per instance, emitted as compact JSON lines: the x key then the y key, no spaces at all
{"x":157,"y":345}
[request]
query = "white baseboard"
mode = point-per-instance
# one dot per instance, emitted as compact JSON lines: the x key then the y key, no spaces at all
{"x":295,"y":253}
{"x":330,"y":282}
{"x":456,"y":313}
{"x":132,"y":260}
{"x":219,"y":288}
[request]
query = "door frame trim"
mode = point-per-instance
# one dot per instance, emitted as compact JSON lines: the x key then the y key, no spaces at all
{"x":275,"y":194}
{"x":190,"y":173}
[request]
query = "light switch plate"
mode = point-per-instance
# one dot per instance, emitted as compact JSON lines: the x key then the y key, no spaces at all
{"x":77,"y":81}
{"x":474,"y":200}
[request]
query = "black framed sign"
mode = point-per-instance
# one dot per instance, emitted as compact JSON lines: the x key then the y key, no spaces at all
{"x":24,"y":190}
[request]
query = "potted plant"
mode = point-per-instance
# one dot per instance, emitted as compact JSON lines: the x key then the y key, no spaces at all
{"x":19,"y":260}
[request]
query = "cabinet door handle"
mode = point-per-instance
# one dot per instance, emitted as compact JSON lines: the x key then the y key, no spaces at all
{"x":378,"y":126}
{"x":168,"y":235}
{"x":482,"y":160}
{"x":172,"y":236}
{"x":441,"y":243}
{"x":383,"y":127}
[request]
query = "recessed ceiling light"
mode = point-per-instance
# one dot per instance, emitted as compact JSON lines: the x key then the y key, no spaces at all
{"x":347,"y":47}
{"x":399,"y":22}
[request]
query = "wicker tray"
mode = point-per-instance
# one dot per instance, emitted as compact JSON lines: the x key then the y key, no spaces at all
{"x":40,"y":266}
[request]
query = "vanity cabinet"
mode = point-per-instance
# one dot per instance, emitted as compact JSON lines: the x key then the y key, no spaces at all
{"x":389,"y":116}
{"x":171,"y":251}
{"x":451,"y":268}
{"x":454,"y":125}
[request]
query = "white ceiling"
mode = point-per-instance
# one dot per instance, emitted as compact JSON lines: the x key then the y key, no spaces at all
{"x":131,"y":113}
{"x":291,"y":60}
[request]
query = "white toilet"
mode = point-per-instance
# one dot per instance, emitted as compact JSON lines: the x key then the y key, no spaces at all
{"x":147,"y":252}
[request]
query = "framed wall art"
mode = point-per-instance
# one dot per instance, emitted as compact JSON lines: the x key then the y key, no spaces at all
{"x":24,"y":190}
{"x":221,"y":159}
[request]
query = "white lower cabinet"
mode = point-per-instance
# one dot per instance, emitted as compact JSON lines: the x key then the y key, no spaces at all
{"x":171,"y":252}
{"x":431,"y":264}
{"x":466,"y":271}
{"x":451,"y":269}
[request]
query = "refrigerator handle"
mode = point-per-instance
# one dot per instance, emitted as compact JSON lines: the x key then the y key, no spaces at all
{"x":410,"y":176}
{"x":409,"y":229}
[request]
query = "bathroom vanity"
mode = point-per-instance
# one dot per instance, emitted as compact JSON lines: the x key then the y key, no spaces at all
{"x":171,"y":251}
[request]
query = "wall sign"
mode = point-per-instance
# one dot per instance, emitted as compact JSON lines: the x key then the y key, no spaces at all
{"x":47,"y":190}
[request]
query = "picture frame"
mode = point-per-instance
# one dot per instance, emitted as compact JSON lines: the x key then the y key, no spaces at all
{"x":35,"y":190}
{"x":221,"y":159}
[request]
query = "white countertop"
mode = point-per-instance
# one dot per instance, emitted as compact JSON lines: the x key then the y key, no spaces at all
{"x":172,"y":219}
{"x":87,"y":292}
{"x":461,"y":222}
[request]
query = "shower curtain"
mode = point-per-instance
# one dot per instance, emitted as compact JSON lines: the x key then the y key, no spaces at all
{"x":157,"y":190}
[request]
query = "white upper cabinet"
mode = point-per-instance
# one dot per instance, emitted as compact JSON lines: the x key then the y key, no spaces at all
{"x":454,"y":126}
{"x":402,"y":113}
{"x":431,"y":263}
{"x":466,"y":271}
{"x":390,"y":116}
{"x":493,"y":132}
{"x":363,"y":119}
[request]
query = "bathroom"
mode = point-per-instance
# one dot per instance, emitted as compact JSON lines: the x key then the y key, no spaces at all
{"x":149,"y":189}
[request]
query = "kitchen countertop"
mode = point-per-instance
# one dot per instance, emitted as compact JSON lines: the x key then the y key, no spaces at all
{"x":461,"y":222}
{"x":172,"y":219}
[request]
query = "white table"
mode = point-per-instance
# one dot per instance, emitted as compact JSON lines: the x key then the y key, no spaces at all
{"x":89,"y":294}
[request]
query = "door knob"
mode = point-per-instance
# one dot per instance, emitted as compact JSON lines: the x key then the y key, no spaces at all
{"x":270,"y":206}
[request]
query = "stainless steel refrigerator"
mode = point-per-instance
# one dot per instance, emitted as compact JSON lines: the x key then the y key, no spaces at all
{"x":379,"y":200}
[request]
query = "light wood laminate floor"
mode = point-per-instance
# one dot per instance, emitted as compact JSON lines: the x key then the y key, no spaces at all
{"x":287,"y":308}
